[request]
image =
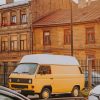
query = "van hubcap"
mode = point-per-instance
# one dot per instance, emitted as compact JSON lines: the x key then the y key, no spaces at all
{"x":76,"y":92}
{"x":45,"y":95}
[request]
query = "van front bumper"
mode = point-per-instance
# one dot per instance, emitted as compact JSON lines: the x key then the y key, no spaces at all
{"x":22,"y":87}
{"x":27,"y":92}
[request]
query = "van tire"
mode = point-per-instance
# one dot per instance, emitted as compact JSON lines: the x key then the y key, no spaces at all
{"x":45,"y":93}
{"x":75,"y":91}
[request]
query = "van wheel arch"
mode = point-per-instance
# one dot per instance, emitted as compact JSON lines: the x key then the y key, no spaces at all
{"x":48,"y":87}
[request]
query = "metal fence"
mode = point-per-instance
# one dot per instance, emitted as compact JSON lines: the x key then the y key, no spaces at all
{"x":6,"y":70}
{"x":95,"y":71}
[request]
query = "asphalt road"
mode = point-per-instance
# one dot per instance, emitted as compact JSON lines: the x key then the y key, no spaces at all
{"x":57,"y":98}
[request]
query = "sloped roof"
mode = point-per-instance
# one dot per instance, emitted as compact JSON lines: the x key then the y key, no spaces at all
{"x":89,"y":13}
{"x":14,"y":4}
{"x":49,"y":59}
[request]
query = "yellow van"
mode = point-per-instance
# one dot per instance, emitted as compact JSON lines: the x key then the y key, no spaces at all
{"x":47,"y":74}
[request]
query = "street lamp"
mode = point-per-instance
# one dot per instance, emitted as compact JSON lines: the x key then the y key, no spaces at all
{"x":71,"y":26}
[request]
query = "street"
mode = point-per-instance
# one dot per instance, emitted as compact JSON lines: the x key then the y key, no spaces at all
{"x":67,"y":97}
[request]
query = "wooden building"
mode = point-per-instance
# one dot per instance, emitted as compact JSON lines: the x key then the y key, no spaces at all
{"x":52,"y":33}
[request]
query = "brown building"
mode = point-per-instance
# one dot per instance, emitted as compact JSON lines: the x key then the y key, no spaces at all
{"x":37,"y":26}
{"x":53,"y":33}
{"x":16,"y":38}
{"x":15,"y":32}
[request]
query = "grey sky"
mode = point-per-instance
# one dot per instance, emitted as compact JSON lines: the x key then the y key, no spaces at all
{"x":3,"y":1}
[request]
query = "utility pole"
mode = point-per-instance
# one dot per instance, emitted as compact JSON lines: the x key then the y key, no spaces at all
{"x":31,"y":27}
{"x":71,"y":26}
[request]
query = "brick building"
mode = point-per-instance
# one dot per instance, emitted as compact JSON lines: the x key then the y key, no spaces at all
{"x":15,"y":32}
{"x":52,"y":33}
{"x":16,"y":38}
{"x":33,"y":27}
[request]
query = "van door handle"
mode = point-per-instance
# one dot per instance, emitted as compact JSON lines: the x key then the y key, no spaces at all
{"x":51,"y":78}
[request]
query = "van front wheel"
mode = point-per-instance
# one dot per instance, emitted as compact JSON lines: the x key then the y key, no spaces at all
{"x":45,"y":94}
{"x":75,"y":92}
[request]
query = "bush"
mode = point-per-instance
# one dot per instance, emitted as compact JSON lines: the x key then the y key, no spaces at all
{"x":85,"y":92}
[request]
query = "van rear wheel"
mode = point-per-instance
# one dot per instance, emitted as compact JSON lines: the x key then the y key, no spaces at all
{"x":45,"y":94}
{"x":75,"y":91}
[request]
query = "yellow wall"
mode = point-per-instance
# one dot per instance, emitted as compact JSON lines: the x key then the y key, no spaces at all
{"x":57,"y":40}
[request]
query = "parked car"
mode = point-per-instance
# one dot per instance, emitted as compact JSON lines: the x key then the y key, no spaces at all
{"x":8,"y":94}
{"x":95,"y":78}
{"x":94,"y":93}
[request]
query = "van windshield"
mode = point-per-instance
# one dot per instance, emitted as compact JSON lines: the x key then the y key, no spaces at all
{"x":26,"y":69}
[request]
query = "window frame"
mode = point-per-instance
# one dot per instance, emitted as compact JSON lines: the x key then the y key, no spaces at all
{"x":23,"y":18}
{"x":13,"y":21}
{"x":12,"y":45}
{"x":90,"y":31}
{"x":4,"y":21}
{"x":4,"y":45}
{"x":46,"y":66}
{"x":46,"y":38}
{"x":67,"y":37}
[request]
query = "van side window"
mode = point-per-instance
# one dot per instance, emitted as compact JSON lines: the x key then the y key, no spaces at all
{"x":44,"y":69}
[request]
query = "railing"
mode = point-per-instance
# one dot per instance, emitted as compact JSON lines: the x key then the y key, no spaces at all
{"x":5,"y":71}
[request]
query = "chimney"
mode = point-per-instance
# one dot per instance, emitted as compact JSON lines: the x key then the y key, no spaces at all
{"x":9,"y":1}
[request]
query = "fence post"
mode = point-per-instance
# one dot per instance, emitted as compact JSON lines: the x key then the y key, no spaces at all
{"x":90,"y":74}
{"x":5,"y":72}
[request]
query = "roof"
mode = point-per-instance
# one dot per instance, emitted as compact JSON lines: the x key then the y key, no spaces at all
{"x":49,"y":59}
{"x":87,"y":14}
{"x":14,"y":4}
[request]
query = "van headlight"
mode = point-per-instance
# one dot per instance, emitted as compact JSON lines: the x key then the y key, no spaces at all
{"x":9,"y":79}
{"x":30,"y":81}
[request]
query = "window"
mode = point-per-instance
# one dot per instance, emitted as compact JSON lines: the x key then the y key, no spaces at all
{"x":4,"y":21}
{"x":44,"y":69}
{"x":26,"y":68}
{"x":4,"y":43}
{"x":90,"y":35}
{"x":67,"y":36}
{"x":23,"y":40}
{"x":13,"y":20}
{"x":22,"y":43}
{"x":13,"y":43}
{"x":46,"y":38}
{"x":23,"y":18}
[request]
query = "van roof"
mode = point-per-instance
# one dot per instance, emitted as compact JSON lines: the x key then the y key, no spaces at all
{"x":49,"y":59}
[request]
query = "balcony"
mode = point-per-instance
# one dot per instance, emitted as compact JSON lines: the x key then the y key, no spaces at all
{"x":13,"y":55}
{"x":13,"y":27}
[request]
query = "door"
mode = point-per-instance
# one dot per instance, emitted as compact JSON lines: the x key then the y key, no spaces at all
{"x":43,"y":77}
